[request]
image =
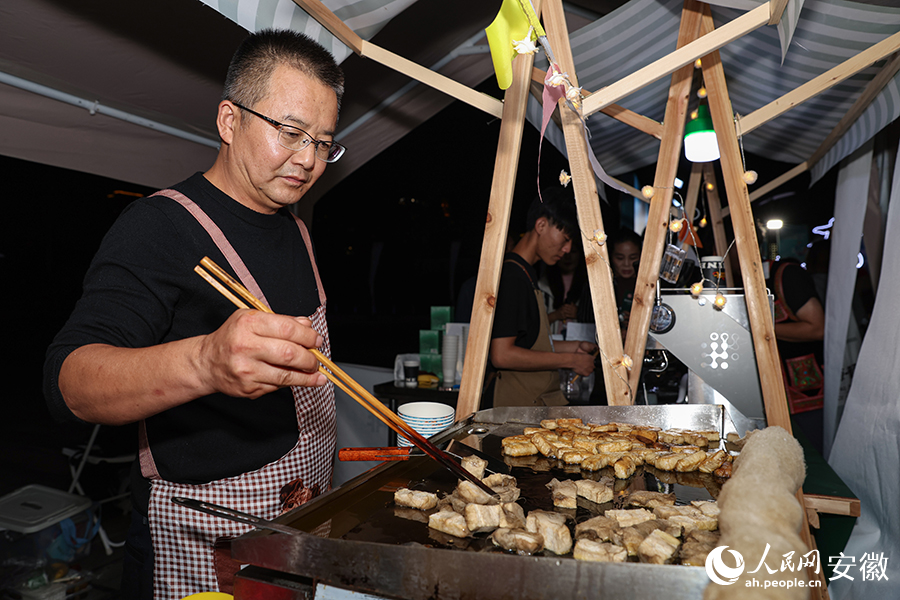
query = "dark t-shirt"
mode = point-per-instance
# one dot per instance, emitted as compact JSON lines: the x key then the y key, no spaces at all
{"x":141,"y":290}
{"x":798,"y":287}
{"x":517,"y":313}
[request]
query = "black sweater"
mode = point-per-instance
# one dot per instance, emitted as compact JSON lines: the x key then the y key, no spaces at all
{"x":141,"y":290}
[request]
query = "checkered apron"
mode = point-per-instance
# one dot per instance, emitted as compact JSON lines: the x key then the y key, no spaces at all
{"x":184,"y":540}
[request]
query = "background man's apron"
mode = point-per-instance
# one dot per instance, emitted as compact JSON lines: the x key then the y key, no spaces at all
{"x":531,"y":388}
{"x":186,"y":560}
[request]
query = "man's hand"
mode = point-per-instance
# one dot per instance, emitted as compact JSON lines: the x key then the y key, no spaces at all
{"x":583,"y":358}
{"x":254,"y":353}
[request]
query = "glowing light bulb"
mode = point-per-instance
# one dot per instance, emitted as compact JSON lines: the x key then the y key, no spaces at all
{"x":564,"y":178}
{"x":703,"y":222}
{"x":694,"y":114}
{"x":697,"y":64}
{"x":627,"y":362}
{"x":710,"y":187}
{"x":648,"y":191}
{"x":701,"y":93}
{"x":697,"y":289}
{"x":600,"y":237}
{"x":750,"y":177}
{"x":720,"y":301}
{"x":676,"y":225}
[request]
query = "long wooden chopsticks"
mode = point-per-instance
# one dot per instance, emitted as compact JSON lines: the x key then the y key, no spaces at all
{"x":335,"y":374}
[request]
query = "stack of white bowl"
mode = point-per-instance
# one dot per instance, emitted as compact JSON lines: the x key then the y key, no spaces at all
{"x":426,"y":418}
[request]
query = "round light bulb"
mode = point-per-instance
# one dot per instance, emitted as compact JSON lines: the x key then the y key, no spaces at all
{"x":648,"y":191}
{"x":676,"y":225}
{"x":701,"y":93}
{"x":600,"y":237}
{"x":694,"y":114}
{"x":697,"y":64}
{"x":750,"y":177}
{"x":697,"y":289}
{"x":703,"y":222}
{"x":627,"y":362}
{"x":720,"y":301}
{"x":710,"y":187}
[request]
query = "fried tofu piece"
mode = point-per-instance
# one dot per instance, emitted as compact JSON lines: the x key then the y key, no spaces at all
{"x":710,"y":508}
{"x":627,"y":465}
{"x":552,"y":527}
{"x":549,"y":423}
{"x":648,"y":499}
{"x":595,"y":462}
{"x":658,"y":548}
{"x":449,"y":522}
{"x":483,"y":517}
{"x":519,"y":448}
{"x":415,"y":499}
{"x":543,"y":444}
{"x":599,"y":551}
{"x":475,"y":465}
{"x":671,"y":436}
{"x":614,"y":445}
{"x":724,"y":471}
{"x":573,"y":457}
{"x":569,"y":422}
{"x":518,"y":540}
{"x":600,"y":529}
{"x":714,"y":460}
{"x":629,"y":518}
{"x":595,"y":491}
{"x":689,"y":517}
{"x":472,"y":494}
{"x":666,"y":461}
{"x":512,"y":516}
{"x":646,"y":435}
{"x":529,"y":431}
{"x":495,"y":479}
{"x":696,"y":439}
{"x":563,"y":493}
{"x":690,"y":462}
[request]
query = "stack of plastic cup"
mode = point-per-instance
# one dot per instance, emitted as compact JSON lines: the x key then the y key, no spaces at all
{"x":426,"y":418}
{"x":449,"y":354}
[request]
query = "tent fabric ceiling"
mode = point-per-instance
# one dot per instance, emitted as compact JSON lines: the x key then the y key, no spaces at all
{"x":827,"y":33}
{"x":167,"y":61}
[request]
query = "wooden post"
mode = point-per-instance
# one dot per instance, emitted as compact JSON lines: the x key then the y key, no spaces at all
{"x":606,"y":317}
{"x":693,"y":191}
{"x":717,"y":221}
{"x":762,"y":328}
{"x":495,"y":233}
{"x":660,"y":203}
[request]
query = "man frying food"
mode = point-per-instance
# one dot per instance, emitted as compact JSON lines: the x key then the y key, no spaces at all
{"x":230,"y":404}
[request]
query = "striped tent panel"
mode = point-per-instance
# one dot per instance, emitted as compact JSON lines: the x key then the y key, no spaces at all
{"x":365,"y":17}
{"x":786,"y":26}
{"x":827,"y":33}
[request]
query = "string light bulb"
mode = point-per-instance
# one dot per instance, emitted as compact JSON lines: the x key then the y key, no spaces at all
{"x":703,"y":222}
{"x":599,"y":237}
{"x":648,"y":191}
{"x":750,"y":177}
{"x":701,"y":92}
{"x":694,"y":114}
{"x":697,"y":289}
{"x":710,"y":186}
{"x":626,"y":362}
{"x":720,"y":301}
{"x":676,"y":225}
{"x":697,"y":64}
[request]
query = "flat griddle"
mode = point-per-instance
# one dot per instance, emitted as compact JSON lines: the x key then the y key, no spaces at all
{"x":357,"y":538}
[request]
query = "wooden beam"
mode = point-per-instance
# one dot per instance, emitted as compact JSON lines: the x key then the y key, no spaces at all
{"x":693,"y":191}
{"x":495,"y":233}
{"x":619,"y":113}
{"x":816,"y":86}
{"x":762,"y":328}
{"x":776,"y":10}
{"x":364,"y":48}
{"x":833,"y":505}
{"x":629,"y":84}
{"x":332,"y":23}
{"x":590,"y":219}
{"x":658,"y":218}
{"x":490,"y":105}
{"x":716,"y":221}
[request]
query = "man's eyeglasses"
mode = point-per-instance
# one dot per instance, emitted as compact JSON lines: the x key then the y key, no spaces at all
{"x":294,"y":138}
